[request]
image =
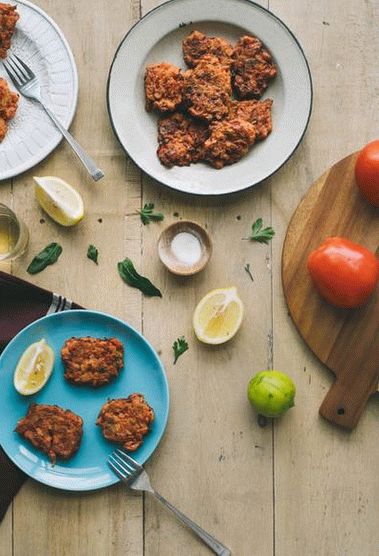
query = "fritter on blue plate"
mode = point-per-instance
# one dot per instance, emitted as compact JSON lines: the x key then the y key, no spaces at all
{"x":252,"y":68}
{"x":197,"y":45}
{"x":126,"y":421}
{"x":163,"y":87}
{"x":93,"y":361}
{"x":55,"y":431}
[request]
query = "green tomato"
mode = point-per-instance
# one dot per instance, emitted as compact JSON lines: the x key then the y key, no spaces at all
{"x":272,"y":393}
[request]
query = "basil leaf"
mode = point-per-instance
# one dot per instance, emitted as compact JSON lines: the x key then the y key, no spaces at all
{"x":48,"y":255}
{"x":129,"y":274}
{"x":92,"y":253}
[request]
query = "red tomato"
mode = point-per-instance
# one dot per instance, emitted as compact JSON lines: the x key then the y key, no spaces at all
{"x":367,"y":172}
{"x":344,"y":273}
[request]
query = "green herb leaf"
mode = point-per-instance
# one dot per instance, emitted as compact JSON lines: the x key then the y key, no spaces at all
{"x":179,"y":346}
{"x":148,"y":215}
{"x":48,"y":255}
{"x":261,"y":235}
{"x":129,"y":274}
{"x":92,"y":253}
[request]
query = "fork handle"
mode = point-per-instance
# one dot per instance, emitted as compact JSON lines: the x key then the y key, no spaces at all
{"x":213,"y":544}
{"x":87,"y":161}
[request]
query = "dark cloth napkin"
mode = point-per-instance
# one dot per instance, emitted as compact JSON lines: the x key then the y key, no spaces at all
{"x":20,"y":304}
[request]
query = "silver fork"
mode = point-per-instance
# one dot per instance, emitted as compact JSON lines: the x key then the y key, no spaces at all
{"x":134,"y":475}
{"x":28,"y":85}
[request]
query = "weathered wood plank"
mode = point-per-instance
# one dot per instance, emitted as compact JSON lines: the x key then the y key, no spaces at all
{"x":326,"y":485}
{"x":214,"y":463}
{"x":106,"y":522}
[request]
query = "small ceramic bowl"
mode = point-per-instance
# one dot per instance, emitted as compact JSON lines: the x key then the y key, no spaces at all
{"x":167,"y":256}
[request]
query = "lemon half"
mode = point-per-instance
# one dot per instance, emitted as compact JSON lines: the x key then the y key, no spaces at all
{"x":218,"y":316}
{"x":59,"y":199}
{"x":34,"y":368}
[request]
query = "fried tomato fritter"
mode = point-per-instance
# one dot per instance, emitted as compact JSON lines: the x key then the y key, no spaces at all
{"x":207,"y":90}
{"x":163,"y":87}
{"x":197,"y":45}
{"x":8,"y":106}
{"x":180,"y":140}
{"x":3,"y":129}
{"x":126,"y":420}
{"x":257,"y":112}
{"x":8,"y":20}
{"x":229,"y":141}
{"x":93,"y":361}
{"x":252,"y":68}
{"x":53,"y":430}
{"x":8,"y":101}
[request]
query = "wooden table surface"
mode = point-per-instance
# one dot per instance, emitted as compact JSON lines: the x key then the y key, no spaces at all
{"x":296,"y":487}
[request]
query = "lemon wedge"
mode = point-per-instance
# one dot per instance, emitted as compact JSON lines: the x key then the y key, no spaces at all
{"x":34,"y":368}
{"x":59,"y":199}
{"x":218,"y":316}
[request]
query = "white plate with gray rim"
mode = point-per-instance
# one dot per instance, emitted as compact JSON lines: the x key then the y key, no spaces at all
{"x":157,"y":37}
{"x":32,"y":136}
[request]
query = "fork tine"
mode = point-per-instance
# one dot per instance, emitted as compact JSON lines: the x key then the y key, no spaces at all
{"x":118,"y":468}
{"x":14,"y":73}
{"x":127,"y":459}
{"x":27,"y":71}
{"x":124,"y":464}
{"x":115,"y":469}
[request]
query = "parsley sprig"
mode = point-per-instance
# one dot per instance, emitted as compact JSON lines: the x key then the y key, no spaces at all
{"x":179,"y":346}
{"x":148,"y":215}
{"x":260,"y":234}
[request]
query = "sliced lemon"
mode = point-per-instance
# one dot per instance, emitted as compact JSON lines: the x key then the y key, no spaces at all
{"x":218,"y":316}
{"x":59,"y":199}
{"x":34,"y":368}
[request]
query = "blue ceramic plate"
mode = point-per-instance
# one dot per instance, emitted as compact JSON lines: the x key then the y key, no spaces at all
{"x":143,"y":373}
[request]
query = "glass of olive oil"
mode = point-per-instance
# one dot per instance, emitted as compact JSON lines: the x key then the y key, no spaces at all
{"x":14,"y":235}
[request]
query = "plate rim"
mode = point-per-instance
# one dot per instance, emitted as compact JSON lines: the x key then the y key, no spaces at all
{"x":199,"y":193}
{"x":89,"y":312}
{"x":54,"y":144}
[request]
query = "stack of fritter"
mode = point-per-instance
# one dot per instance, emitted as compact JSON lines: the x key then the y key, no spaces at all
{"x":202,"y":121}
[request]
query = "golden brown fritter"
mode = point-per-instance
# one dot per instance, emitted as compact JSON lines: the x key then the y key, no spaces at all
{"x":8,"y":106}
{"x":229,"y":141}
{"x":8,"y":20}
{"x":126,"y":420}
{"x":8,"y":101}
{"x":53,"y":430}
{"x":257,"y":112}
{"x":197,"y":45}
{"x":3,"y":129}
{"x":180,"y":140}
{"x":163,"y":87}
{"x":93,"y":361}
{"x":252,"y":68}
{"x":207,"y":90}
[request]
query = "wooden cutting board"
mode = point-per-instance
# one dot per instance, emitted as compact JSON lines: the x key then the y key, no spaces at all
{"x":346,"y":340}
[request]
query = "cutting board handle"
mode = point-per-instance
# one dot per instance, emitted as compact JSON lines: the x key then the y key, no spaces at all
{"x":344,"y":403}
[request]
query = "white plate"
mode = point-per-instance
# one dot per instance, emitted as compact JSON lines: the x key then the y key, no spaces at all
{"x":31,"y":135}
{"x":157,"y":37}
